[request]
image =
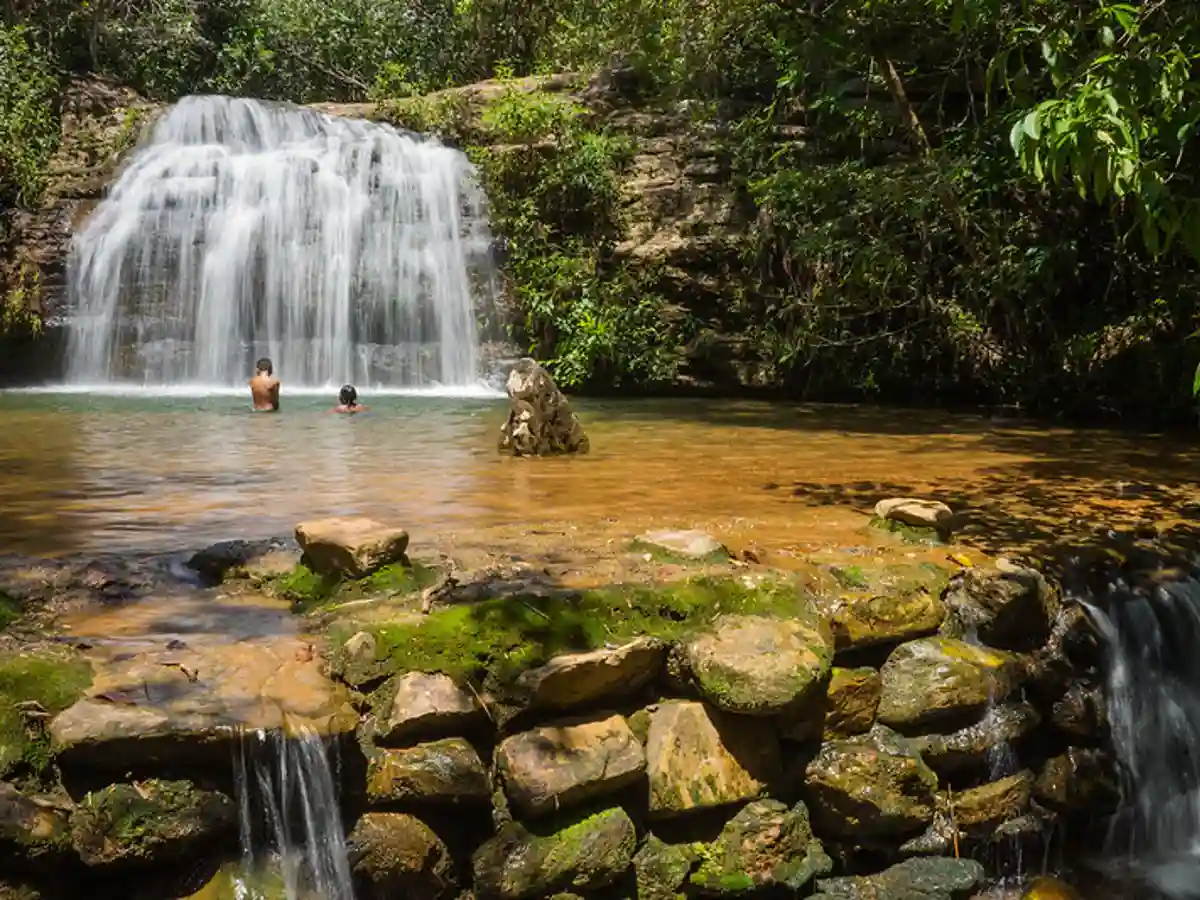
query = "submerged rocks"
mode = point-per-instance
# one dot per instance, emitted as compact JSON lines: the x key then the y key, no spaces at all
{"x":765,"y":845}
{"x":540,"y":421}
{"x":914,"y":879}
{"x":436,"y":773}
{"x":756,"y":665}
{"x":690,"y":545}
{"x":578,"y":679}
{"x":397,"y":855}
{"x":350,"y":547}
{"x":558,"y":766}
{"x":427,"y":706}
{"x":697,"y":758}
{"x":149,"y":823}
{"x":874,"y":786}
{"x":582,"y":857}
{"x":929,"y":682}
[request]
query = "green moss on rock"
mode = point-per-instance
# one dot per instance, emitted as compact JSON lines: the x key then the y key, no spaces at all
{"x":663,"y":868}
{"x":45,"y":680}
{"x":309,"y":591}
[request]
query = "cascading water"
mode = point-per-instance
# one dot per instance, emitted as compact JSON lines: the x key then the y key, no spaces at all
{"x":1153,"y":692}
{"x":288,"y":805}
{"x":343,"y":250}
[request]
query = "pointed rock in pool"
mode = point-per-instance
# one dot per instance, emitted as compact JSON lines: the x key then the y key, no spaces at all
{"x":929,"y":682}
{"x":915,"y":513}
{"x":428,"y":706}
{"x":847,"y":709}
{"x":661,"y":869}
{"x":32,"y":837}
{"x":698,"y":757}
{"x":150,"y":823}
{"x":437,"y":773}
{"x":693,"y":545}
{"x":540,"y":421}
{"x":397,"y":855}
{"x":1010,"y":607}
{"x":560,"y":765}
{"x":934,"y":878}
{"x":577,"y":679}
{"x":873,"y":786}
{"x":764,"y":846}
{"x":760,"y":666}
{"x":583,"y":857}
{"x":350,"y":547}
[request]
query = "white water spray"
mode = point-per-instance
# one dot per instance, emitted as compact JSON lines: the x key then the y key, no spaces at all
{"x":343,"y":250}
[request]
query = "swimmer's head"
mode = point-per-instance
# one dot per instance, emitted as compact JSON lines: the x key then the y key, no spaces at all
{"x":347,"y":396}
{"x":264,"y":366}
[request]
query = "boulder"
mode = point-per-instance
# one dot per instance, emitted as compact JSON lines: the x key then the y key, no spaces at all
{"x":540,"y":421}
{"x":1080,"y":713}
{"x":915,"y":513}
{"x":698,"y":757}
{"x":350,"y":547}
{"x":427,"y":706}
{"x":972,"y":748}
{"x":914,"y":879}
{"x":441,"y":772}
{"x":691,"y":545}
{"x":875,"y":786}
{"x":150,"y":823}
{"x":977,"y":812}
{"x":765,"y":845}
{"x":1009,"y":607}
{"x":847,"y":709}
{"x":1080,"y":781}
{"x":865,"y":620}
{"x":32,"y":836}
{"x":397,"y":855}
{"x":661,"y":869}
{"x":930,"y":682}
{"x":579,"y":679}
{"x":582,"y":857}
{"x":558,"y":766}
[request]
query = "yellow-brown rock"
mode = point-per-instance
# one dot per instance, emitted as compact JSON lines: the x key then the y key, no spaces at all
{"x":579,"y":679}
{"x":350,"y":547}
{"x":428,"y":706}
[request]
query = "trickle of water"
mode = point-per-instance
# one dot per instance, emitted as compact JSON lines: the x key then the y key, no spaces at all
{"x":343,"y":250}
{"x":288,"y":807}
{"x":1153,"y":693}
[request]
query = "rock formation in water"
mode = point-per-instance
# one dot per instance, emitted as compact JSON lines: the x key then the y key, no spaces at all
{"x":540,"y":421}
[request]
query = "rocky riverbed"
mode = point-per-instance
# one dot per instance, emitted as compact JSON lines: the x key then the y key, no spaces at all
{"x":896,"y":721}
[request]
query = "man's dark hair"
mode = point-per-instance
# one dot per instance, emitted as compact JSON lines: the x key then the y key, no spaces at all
{"x":264,"y":365}
{"x":347,"y":395}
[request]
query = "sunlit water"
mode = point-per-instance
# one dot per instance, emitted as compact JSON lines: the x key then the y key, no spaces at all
{"x":87,"y":473}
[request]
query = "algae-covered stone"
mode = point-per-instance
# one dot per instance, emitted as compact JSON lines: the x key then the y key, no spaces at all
{"x":149,"y":823}
{"x":1078,"y":781}
{"x":578,"y":679}
{"x":934,"y":680}
{"x":1008,"y":606}
{"x":765,"y":845}
{"x":31,"y":836}
{"x":698,"y":757}
{"x":397,"y":855}
{"x":350,"y":547}
{"x":561,"y":765}
{"x":969,"y":748}
{"x":847,"y":709}
{"x":984,"y":808}
{"x":441,"y":772}
{"x":873,"y":786}
{"x":914,"y":879}
{"x":757,"y":665}
{"x":1047,"y":888}
{"x":867,"y":620}
{"x":661,"y":869}
{"x":693,"y":545}
{"x":427,"y":706}
{"x":581,"y":857}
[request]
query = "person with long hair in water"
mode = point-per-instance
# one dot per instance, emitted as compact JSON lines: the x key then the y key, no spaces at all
{"x":348,"y":401}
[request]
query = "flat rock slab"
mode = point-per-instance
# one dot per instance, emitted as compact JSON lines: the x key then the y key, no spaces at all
{"x":698,"y":757}
{"x":694,"y":545}
{"x":428,"y":706}
{"x":350,"y":547}
{"x":915,"y":512}
{"x":578,"y":679}
{"x":189,"y":705}
{"x":558,"y":766}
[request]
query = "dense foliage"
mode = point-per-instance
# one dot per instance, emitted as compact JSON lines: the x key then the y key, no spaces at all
{"x":969,"y":199}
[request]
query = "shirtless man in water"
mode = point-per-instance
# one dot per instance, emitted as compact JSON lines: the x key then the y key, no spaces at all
{"x":264,"y":387}
{"x":348,"y":401}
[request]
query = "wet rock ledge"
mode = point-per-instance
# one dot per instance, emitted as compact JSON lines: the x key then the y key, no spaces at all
{"x":725,"y":735}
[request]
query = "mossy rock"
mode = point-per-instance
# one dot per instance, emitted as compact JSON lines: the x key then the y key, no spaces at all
{"x":35,"y":682}
{"x":150,"y":823}
{"x":10,"y":610}
{"x":309,"y":591}
{"x":32,"y":837}
{"x":397,"y":855}
{"x":489,"y":644}
{"x":910,"y":534}
{"x":661,"y":869}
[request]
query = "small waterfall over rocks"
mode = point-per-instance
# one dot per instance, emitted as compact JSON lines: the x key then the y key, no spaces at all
{"x":343,"y":250}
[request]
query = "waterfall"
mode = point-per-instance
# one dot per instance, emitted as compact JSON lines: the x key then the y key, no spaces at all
{"x":1153,"y":690}
{"x":288,"y":804}
{"x":344,"y":250}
